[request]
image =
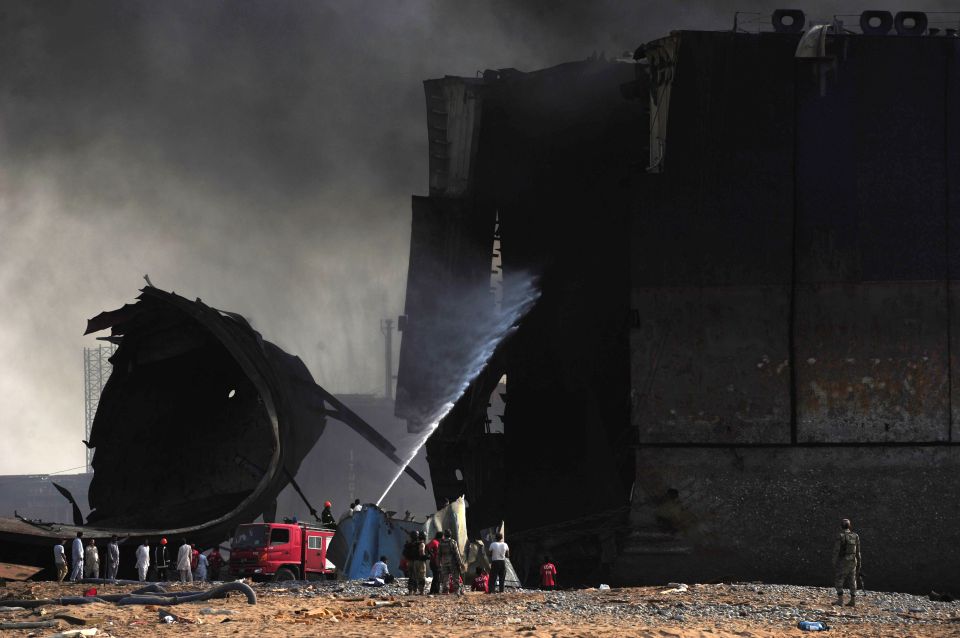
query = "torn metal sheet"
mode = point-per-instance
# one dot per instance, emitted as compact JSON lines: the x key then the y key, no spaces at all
{"x":186,"y":378}
{"x":9,"y":571}
{"x":366,"y":535}
{"x":453,"y":517}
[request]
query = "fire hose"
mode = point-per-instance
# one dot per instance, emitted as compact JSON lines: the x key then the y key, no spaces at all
{"x":145,"y":596}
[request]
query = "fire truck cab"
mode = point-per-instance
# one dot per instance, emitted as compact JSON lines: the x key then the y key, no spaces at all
{"x":281,"y":551}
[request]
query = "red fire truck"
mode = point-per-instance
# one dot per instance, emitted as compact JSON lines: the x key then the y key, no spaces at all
{"x":281,"y":551}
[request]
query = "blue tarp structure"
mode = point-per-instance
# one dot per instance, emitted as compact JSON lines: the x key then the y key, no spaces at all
{"x":365,"y":536}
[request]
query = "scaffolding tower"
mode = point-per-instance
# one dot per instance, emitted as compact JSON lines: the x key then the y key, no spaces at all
{"x":96,"y":371}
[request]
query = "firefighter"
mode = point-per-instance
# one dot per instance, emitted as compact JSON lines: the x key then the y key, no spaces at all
{"x":326,"y":517}
{"x":160,"y":560}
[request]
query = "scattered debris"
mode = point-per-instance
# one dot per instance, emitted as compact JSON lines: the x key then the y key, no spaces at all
{"x":675,"y":588}
{"x":10,"y":571}
{"x":166,"y":614}
{"x":35,"y":624}
{"x":210,"y":611}
{"x":75,"y":633}
{"x":73,"y":620}
{"x":323,"y":612}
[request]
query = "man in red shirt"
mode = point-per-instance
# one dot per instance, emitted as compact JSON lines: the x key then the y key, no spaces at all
{"x":482,"y":580}
{"x":548,"y":573}
{"x":216,"y":561}
{"x":433,"y":551}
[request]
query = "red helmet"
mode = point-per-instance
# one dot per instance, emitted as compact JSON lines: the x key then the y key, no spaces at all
{"x":326,"y":504}
{"x":163,"y":541}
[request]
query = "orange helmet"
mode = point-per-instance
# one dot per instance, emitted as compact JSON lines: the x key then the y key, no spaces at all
{"x":163,"y":541}
{"x":326,"y":504}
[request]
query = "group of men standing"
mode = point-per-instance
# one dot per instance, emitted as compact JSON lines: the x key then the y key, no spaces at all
{"x":85,"y":560}
{"x":447,"y":565}
{"x":190,"y":563}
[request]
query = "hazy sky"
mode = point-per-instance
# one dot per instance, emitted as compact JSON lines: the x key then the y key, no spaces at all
{"x":259,"y":155}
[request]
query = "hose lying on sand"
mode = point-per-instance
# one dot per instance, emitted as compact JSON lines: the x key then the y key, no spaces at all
{"x":116,"y":581}
{"x":69,"y":600}
{"x":40,"y":624}
{"x":145,"y":596}
{"x":175,"y":598}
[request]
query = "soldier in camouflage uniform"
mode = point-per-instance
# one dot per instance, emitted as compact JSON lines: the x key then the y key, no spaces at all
{"x":451,"y":565}
{"x":846,"y":562}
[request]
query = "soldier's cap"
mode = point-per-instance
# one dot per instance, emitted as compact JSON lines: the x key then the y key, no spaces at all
{"x":845,"y":521}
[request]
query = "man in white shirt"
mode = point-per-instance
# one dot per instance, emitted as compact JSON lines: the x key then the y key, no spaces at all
{"x":499,"y":553}
{"x":184,"y":560}
{"x":60,"y":561}
{"x":380,"y":572}
{"x":77,"y":554}
{"x":143,"y":560}
{"x":91,"y":561}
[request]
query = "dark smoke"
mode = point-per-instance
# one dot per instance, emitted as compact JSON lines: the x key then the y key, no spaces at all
{"x":260,"y":155}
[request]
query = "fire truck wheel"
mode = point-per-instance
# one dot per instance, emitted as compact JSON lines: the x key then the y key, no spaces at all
{"x":284,"y":574}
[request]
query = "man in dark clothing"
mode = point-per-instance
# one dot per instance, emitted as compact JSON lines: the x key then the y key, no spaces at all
{"x":161,"y":560}
{"x":326,"y":517}
{"x":216,"y":561}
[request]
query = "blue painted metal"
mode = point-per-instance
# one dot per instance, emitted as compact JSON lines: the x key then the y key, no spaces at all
{"x":362,"y":538}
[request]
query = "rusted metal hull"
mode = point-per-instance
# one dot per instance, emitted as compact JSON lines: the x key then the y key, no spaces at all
{"x":747,"y":340}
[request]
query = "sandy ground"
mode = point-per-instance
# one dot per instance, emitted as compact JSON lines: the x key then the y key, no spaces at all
{"x":335,"y":609}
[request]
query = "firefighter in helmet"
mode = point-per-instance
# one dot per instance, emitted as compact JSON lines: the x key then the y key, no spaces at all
{"x":326,"y":516}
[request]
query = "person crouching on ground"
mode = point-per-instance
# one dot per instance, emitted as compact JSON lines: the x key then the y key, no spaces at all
{"x":481,"y":582}
{"x":380,"y":572}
